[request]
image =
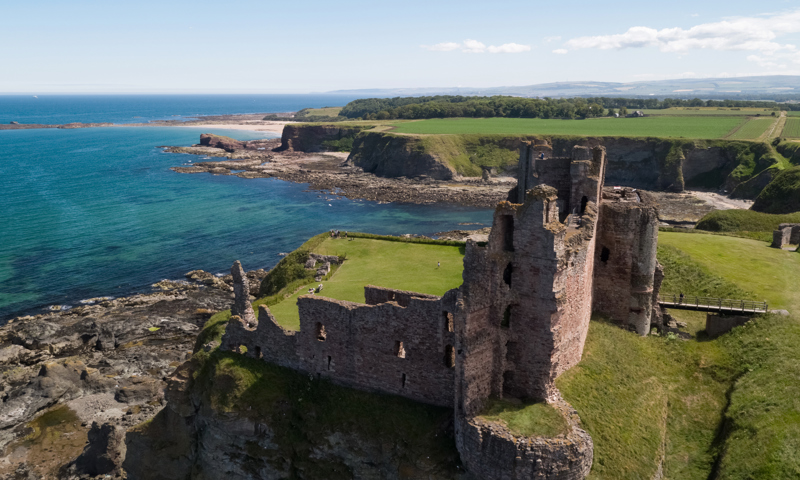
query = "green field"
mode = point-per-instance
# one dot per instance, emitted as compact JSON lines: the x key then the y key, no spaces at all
{"x":793,"y":113}
{"x":717,"y":111}
{"x":754,"y":128}
{"x":792,"y":128}
{"x":400,"y":265}
{"x":698,"y":127}
{"x":324,"y":111}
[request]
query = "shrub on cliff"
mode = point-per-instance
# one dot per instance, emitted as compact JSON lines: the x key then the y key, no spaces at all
{"x":782,"y":195}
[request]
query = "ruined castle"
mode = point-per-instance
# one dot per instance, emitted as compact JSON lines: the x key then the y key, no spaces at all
{"x":561,"y":247}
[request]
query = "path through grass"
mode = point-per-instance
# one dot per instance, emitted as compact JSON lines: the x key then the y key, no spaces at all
{"x":404,"y":266}
{"x":753,"y":129}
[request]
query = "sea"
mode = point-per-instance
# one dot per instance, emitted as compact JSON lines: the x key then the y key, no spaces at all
{"x":97,"y":212}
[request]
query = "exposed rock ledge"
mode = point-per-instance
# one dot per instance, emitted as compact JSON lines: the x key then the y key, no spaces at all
{"x":103,"y":363}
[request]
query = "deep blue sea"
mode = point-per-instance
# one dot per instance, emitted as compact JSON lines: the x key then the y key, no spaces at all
{"x":98,"y":212}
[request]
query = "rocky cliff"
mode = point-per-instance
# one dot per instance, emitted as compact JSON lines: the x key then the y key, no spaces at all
{"x":229,"y":416}
{"x":319,"y":138}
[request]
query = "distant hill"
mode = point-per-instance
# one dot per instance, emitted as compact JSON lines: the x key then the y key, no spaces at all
{"x":772,"y":87}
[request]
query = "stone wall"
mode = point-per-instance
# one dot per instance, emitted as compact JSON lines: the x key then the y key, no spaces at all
{"x":625,"y":259}
{"x":491,"y":451}
{"x":786,"y":234}
{"x":716,"y":325}
{"x":400,"y":343}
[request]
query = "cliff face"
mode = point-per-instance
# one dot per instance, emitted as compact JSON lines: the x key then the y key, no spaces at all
{"x":232,"y":417}
{"x":318,"y":138}
{"x":389,"y":155}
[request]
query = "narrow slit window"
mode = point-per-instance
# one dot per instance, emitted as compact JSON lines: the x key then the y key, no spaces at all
{"x":507,"y":274}
{"x":403,"y":381}
{"x":449,"y":356}
{"x":448,"y":321}
{"x":507,"y":222}
{"x":506,"y":321}
{"x":259,"y":355}
{"x":329,"y":362}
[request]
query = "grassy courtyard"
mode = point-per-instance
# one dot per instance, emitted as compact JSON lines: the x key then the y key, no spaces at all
{"x":399,"y":265}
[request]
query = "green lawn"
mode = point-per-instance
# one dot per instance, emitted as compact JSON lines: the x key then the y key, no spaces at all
{"x":771,"y":274}
{"x":727,"y":408}
{"x":537,"y":419}
{"x":717,"y":111}
{"x":400,"y":265}
{"x":792,"y":128}
{"x":699,"y":127}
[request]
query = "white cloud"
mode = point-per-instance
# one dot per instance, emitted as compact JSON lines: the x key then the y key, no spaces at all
{"x":474,"y":46}
{"x":560,"y":51}
{"x":753,"y":34}
{"x":552,"y":39}
{"x":442,"y":47}
{"x":509,"y":48}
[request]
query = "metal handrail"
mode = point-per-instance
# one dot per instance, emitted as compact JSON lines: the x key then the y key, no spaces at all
{"x":713,"y":302}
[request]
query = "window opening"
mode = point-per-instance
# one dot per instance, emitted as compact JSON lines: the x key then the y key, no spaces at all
{"x":506,"y":322}
{"x":449,"y":356}
{"x":329,"y":362}
{"x":321,"y":334}
{"x":448,"y":321}
{"x":399,"y":350}
{"x":584,"y":201}
{"x":258,"y":353}
{"x":507,"y":222}
{"x":403,"y":381}
{"x":507,"y":274}
{"x":604,"y":254}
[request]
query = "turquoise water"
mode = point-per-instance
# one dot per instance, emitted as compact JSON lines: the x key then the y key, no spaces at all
{"x":95,"y":212}
{"x":56,"y":109}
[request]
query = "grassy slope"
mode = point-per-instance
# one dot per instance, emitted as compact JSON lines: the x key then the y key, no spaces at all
{"x":771,"y":274}
{"x":637,"y":396}
{"x":747,"y":223}
{"x":404,"y":266}
{"x":688,"y":127}
{"x":529,"y":419}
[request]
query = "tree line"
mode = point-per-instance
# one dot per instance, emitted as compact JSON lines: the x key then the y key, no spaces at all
{"x":443,"y":106}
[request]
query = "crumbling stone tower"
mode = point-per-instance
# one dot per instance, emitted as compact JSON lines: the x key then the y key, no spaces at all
{"x":525,"y":304}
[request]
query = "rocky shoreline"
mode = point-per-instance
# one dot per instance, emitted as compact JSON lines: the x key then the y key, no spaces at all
{"x":330,"y":172}
{"x":95,"y":370}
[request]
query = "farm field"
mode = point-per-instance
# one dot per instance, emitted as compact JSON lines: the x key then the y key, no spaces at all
{"x":712,"y":111}
{"x":699,"y":127}
{"x":793,"y":113}
{"x":399,"y":265}
{"x":324,"y":111}
{"x":792,"y":128}
{"x":754,"y":128}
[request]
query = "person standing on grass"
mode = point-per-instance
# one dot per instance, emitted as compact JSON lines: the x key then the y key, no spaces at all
{"x":438,"y":264}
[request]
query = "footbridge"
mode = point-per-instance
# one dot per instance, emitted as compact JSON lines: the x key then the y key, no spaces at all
{"x":710,"y":304}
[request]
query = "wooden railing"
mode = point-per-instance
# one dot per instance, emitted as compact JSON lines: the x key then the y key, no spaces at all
{"x":711,"y":303}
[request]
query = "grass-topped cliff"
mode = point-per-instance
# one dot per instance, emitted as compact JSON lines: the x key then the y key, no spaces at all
{"x":723,"y":408}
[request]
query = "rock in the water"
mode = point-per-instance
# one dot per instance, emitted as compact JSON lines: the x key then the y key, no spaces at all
{"x":217,"y":141}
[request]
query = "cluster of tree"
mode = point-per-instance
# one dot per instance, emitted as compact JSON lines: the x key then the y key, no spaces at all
{"x":442,"y":106}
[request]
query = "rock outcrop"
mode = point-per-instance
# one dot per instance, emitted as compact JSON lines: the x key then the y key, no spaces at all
{"x":313,"y":138}
{"x":218,"y":141}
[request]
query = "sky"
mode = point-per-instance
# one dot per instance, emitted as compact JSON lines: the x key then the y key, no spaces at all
{"x":242,"y":46}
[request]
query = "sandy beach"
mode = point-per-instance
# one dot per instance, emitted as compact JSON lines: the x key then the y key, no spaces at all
{"x":272,"y":127}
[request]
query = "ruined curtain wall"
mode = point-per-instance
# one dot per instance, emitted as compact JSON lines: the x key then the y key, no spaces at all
{"x":389,"y":348}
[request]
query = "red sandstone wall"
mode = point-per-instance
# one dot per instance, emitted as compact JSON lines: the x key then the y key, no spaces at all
{"x":360,"y":348}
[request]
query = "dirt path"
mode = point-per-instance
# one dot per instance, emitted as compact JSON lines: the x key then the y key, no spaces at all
{"x":775,"y":129}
